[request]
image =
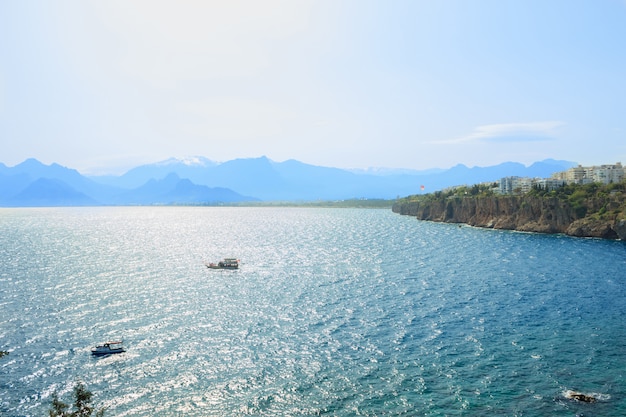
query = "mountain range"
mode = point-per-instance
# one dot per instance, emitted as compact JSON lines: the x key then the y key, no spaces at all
{"x":200,"y":181}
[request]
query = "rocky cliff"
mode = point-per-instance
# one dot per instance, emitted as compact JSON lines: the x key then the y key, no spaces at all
{"x":600,"y":217}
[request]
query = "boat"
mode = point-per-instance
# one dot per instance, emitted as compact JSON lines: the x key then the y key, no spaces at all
{"x":226,"y":263}
{"x":108,"y":348}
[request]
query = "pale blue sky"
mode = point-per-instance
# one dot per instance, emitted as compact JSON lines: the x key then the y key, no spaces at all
{"x":102,"y":86}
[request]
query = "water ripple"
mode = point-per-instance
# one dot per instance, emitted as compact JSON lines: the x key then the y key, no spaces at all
{"x":334,"y":311}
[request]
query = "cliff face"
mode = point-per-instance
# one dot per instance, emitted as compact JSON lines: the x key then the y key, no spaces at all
{"x":523,"y":213}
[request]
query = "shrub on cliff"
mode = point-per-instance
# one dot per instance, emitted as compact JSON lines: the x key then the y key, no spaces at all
{"x":476,"y":190}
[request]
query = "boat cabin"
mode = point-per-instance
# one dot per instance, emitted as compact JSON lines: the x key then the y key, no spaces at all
{"x":108,"y":348}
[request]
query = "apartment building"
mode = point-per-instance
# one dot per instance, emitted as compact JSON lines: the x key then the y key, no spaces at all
{"x":607,"y":174}
{"x":603,"y":174}
{"x":515,"y":185}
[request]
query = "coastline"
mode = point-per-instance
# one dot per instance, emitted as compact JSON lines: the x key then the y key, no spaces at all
{"x":521,"y":213}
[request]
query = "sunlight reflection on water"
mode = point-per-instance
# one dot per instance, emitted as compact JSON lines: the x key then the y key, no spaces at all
{"x":333,"y":311}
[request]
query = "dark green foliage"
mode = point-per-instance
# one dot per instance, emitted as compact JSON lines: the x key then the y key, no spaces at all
{"x":585,"y":200}
{"x":82,"y":404}
{"x":581,"y":211}
{"x":537,"y":191}
{"x":476,"y":190}
{"x":59,"y":408}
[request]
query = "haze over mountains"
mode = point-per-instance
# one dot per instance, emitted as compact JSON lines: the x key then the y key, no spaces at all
{"x":200,"y":181}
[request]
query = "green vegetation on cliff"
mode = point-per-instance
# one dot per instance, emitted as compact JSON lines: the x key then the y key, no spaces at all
{"x":477,"y":190}
{"x":606,"y":202}
{"x":592,"y":210}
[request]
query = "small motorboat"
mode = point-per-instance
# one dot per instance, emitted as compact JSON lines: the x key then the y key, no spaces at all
{"x":108,"y":348}
{"x":226,"y":263}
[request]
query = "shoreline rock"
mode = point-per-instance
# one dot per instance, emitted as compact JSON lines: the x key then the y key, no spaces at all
{"x":521,"y":213}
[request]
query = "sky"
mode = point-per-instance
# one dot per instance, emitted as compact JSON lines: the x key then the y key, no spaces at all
{"x":103,"y":86}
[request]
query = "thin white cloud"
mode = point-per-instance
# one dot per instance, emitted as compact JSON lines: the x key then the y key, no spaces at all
{"x":509,"y":132}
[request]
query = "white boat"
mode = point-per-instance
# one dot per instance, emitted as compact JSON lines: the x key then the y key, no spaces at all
{"x":108,"y":348}
{"x":227,"y":263}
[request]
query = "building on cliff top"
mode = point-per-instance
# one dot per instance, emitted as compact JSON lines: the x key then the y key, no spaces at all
{"x":603,"y":174}
{"x":515,"y":185}
{"x":522,"y":185}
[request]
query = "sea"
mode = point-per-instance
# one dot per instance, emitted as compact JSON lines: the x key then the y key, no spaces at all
{"x":333,"y":312}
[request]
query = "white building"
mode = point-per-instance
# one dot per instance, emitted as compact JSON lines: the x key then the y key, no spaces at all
{"x":607,"y":174}
{"x":515,"y":185}
{"x":549,"y":184}
{"x":604,"y":174}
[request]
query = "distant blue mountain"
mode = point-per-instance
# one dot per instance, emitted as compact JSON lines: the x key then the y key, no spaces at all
{"x":31,"y":170}
{"x":173,"y":190}
{"x":50,"y":193}
{"x":296,"y":181}
{"x":293,"y":180}
{"x":32,"y":183}
{"x":191,"y":168}
{"x":11,"y":185}
{"x":201,"y":181}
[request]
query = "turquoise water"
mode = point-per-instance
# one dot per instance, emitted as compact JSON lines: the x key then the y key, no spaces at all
{"x":336,"y":312}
